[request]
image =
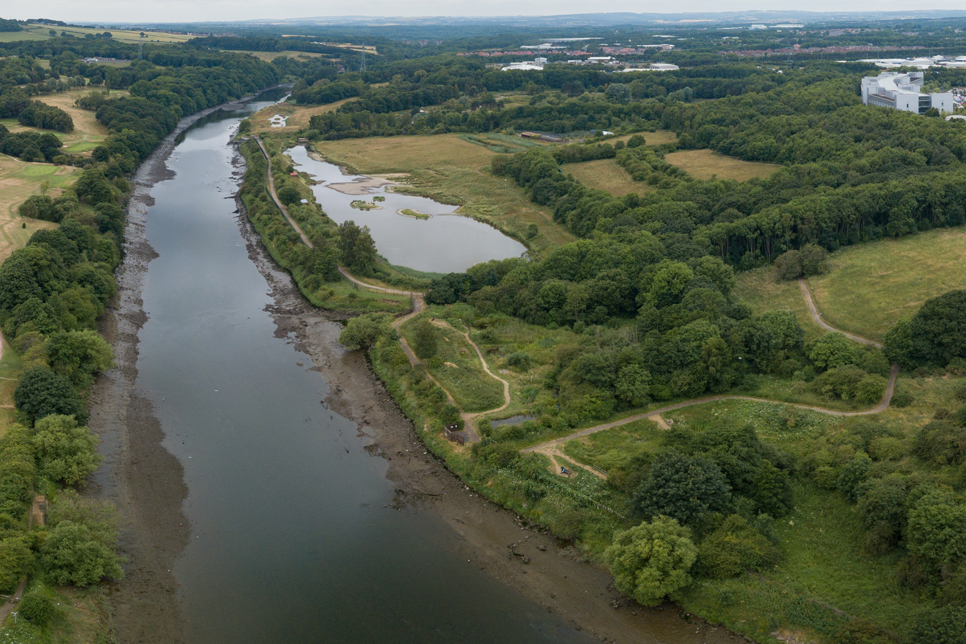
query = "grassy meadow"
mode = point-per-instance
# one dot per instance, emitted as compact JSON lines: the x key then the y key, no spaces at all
{"x":705,"y":164}
{"x":269,"y":56}
{"x":451,"y":170}
{"x":33,"y":31}
{"x":298,"y":115}
{"x":660,"y":137}
{"x":871,"y":286}
{"x":763,"y":291}
{"x":605,"y":174}
{"x":19,"y":180}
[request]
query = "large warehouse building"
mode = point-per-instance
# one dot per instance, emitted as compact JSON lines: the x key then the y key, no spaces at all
{"x":903,"y":92}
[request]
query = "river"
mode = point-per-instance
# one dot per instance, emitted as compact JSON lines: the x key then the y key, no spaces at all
{"x":294,"y":537}
{"x":270,"y":489}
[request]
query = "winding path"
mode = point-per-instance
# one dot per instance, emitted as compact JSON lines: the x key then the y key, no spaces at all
{"x":817,"y":317}
{"x":551,"y":448}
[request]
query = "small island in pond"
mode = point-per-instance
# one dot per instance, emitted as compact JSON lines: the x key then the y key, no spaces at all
{"x":408,"y":212}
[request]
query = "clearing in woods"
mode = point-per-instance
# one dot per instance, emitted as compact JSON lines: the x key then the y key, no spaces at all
{"x":269,"y":56}
{"x":451,"y":170}
{"x":605,"y":174}
{"x":869,"y":287}
{"x":650,"y":138}
{"x":705,"y":164}
{"x":88,"y":132}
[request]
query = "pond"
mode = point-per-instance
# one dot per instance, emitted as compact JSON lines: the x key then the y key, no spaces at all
{"x":443,"y":243}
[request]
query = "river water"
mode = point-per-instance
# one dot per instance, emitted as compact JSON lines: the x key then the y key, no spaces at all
{"x":445,"y":243}
{"x":293,"y":535}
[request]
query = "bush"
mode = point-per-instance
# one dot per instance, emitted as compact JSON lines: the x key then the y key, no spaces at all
{"x":41,"y":393}
{"x":834,"y":350}
{"x":788,"y":266}
{"x":944,"y":626}
{"x":16,"y":560}
{"x":425,"y":339}
{"x":651,"y":560}
{"x":734,"y":548}
{"x":72,"y":555}
{"x":66,"y":452}
{"x":37,"y":606}
{"x":519,"y":360}
{"x":842,"y":383}
{"x":685,"y":488}
{"x":814,"y":260}
{"x":871,"y":389}
{"x":363,"y":332}
{"x":940,"y":443}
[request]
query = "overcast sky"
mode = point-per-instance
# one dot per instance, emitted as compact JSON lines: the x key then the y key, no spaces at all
{"x":220,"y":10}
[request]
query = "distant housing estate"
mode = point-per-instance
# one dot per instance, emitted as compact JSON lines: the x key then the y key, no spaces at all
{"x":903,"y":92}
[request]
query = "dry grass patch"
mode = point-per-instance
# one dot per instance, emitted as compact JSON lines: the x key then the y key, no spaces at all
{"x":605,"y":174}
{"x":660,"y":137}
{"x":299,"y":115}
{"x":705,"y":164}
{"x":871,"y":286}
{"x":19,"y":180}
{"x":269,"y":56}
{"x":451,"y":170}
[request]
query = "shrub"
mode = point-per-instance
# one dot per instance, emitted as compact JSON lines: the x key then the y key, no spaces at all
{"x":651,"y":560}
{"x":871,"y":389}
{"x":788,"y":266}
{"x":734,"y":548}
{"x":842,"y":383}
{"x":834,"y":350}
{"x":363,"y":332}
{"x":520,"y":360}
{"x":685,"y":488}
{"x":940,"y":443}
{"x":72,"y":555}
{"x":66,"y":452}
{"x":944,"y":626}
{"x":38,"y":606}
{"x":425,"y":339}
{"x":16,"y":560}
{"x":41,"y":392}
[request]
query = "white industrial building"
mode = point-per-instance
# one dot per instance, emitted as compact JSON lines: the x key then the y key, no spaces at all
{"x":903,"y":92}
{"x":527,"y":65}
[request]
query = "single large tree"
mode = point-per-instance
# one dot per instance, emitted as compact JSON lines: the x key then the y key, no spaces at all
{"x":651,"y":560}
{"x":685,"y":488}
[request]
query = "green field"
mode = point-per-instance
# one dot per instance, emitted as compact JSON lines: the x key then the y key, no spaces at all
{"x":871,"y":286}
{"x":762,"y":291}
{"x":605,"y":174}
{"x":35,"y":31}
{"x":457,"y":368}
{"x":705,"y":164}
{"x":19,"y":180}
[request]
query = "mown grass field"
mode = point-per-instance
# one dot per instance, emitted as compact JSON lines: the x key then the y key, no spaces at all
{"x":871,"y":286}
{"x":88,"y":131}
{"x":705,"y":164}
{"x":19,"y":180}
{"x":451,"y":170}
{"x":605,"y":174}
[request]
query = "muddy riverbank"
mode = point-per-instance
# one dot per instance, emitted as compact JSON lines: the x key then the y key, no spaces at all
{"x":149,"y":483}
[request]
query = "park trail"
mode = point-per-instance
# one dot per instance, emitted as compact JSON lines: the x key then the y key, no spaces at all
{"x":551,"y":449}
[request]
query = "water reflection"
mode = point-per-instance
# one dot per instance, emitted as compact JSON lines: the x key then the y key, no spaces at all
{"x":445,"y":243}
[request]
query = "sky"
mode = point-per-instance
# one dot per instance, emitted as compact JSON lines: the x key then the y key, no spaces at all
{"x":229,"y":10}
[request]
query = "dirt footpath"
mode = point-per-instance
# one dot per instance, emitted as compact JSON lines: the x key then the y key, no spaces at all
{"x":146,"y":481}
{"x":551,"y":573}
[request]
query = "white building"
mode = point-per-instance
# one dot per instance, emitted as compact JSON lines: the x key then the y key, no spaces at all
{"x":903,"y":92}
{"x":529,"y":65}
